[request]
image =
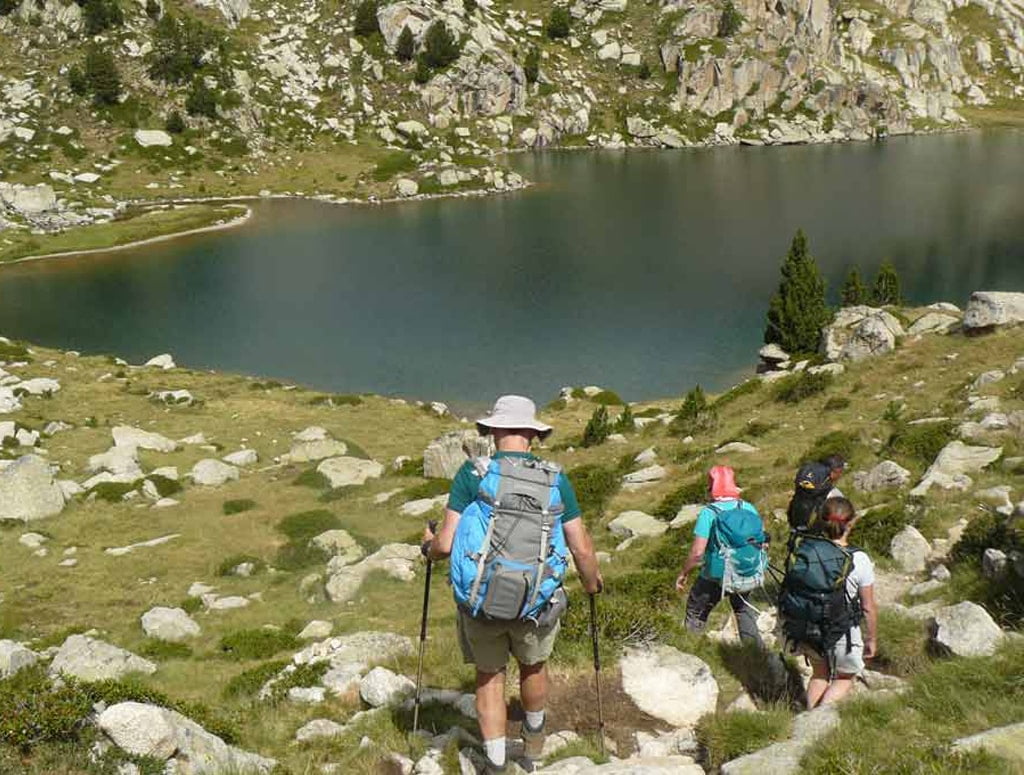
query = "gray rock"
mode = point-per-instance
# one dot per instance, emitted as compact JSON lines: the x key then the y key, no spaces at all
{"x":956,"y":460}
{"x":380,"y":687}
{"x":163,"y":361}
{"x":445,"y":455}
{"x":349,"y":471}
{"x":989,"y":378}
{"x":672,"y":686}
{"x":142,"y":729}
{"x":15,"y":657}
{"x":119,"y":461}
{"x":783,"y":758}
{"x":350,"y":655}
{"x":169,"y":624}
{"x":396,"y":560}
{"x":773,"y":354}
{"x":127,"y":436}
{"x":738,"y":447}
{"x":90,"y":659}
{"x":338,"y":543}
{"x":647,"y":457}
{"x":39,"y":386}
{"x":312,"y":433}
{"x":638,"y":765}
{"x":966,"y":630}
{"x":645,"y":475}
{"x":421,"y":506}
{"x":148,"y":138}
{"x":243,"y":457}
{"x":1006,"y":742}
{"x":636,"y":523}
{"x":934,"y":323}
{"x":989,"y":309}
{"x":686,"y":514}
{"x":407,"y":187}
{"x":213,"y":473}
{"x":310,"y":451}
{"x":994,"y":563}
{"x":119,"y":551}
{"x":318,"y":727}
{"x":910,"y":550}
{"x":311,"y":695}
{"x":316,"y":630}
{"x":28,"y":490}
{"x":887,"y":475}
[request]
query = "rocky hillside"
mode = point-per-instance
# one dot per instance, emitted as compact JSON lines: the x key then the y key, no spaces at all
{"x":110,"y":100}
{"x":224,"y":571}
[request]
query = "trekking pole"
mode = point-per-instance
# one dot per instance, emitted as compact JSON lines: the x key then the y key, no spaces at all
{"x":597,"y":671}
{"x":423,"y":638}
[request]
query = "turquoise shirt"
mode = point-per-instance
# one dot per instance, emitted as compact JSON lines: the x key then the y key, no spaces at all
{"x":466,"y":485}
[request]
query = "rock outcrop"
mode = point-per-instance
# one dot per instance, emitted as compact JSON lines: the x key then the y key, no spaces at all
{"x":672,"y":686}
{"x":445,"y":455}
{"x":29,"y":491}
{"x":90,"y":659}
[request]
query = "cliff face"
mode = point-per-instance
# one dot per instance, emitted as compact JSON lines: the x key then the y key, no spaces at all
{"x":258,"y":82}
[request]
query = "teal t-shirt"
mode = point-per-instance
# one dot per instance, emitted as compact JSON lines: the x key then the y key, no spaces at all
{"x":466,"y":485}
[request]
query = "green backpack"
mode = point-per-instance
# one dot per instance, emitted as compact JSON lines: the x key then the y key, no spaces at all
{"x":814,"y":605}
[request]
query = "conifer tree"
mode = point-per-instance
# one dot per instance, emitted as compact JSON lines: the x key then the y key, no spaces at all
{"x":887,"y":285}
{"x":440,"y":48}
{"x":598,"y":428}
{"x":854,"y":292}
{"x":624,"y":422}
{"x":366,"y":23}
{"x":695,"y":415}
{"x":102,"y":76}
{"x":406,"y":46}
{"x":797,"y":311}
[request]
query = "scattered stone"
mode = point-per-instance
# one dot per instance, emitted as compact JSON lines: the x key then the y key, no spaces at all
{"x":349,"y":471}
{"x":396,"y":560}
{"x":15,"y":657}
{"x":910,"y":550}
{"x":32,"y":540}
{"x":316,"y":630}
{"x":311,"y":451}
{"x":127,"y":436}
{"x":686,"y":514}
{"x":990,"y":309}
{"x":350,"y":655}
{"x":338,"y":544}
{"x":1006,"y":742}
{"x":118,"y":551}
{"x":887,"y":475}
{"x":629,"y":524}
{"x":421,"y":506}
{"x":934,"y":323}
{"x":228,"y":603}
{"x":736,"y":447}
{"x":148,"y":138}
{"x":172,"y":625}
{"x":380,"y":687}
{"x":669,"y":685}
{"x":119,"y":461}
{"x":994,"y":563}
{"x":311,"y":695}
{"x":243,"y":457}
{"x":966,"y":630}
{"x":988,"y":378}
{"x":28,"y":490}
{"x":445,"y":455}
{"x":644,"y":475}
{"x":647,"y":457}
{"x":860,"y":332}
{"x":165,"y":361}
{"x":953,"y":463}
{"x":318,"y":727}
{"x":89,"y":659}
{"x":213,"y":473}
{"x":783,"y":758}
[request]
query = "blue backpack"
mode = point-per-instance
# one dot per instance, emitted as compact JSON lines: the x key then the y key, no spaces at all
{"x":509,"y":554}
{"x":737,"y":554}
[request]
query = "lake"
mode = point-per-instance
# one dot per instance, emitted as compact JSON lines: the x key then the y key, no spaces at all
{"x":646,"y":272}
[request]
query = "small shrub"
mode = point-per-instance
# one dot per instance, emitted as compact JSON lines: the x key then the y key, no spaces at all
{"x":405,"y":48}
{"x":256,"y":644}
{"x":422,"y":72}
{"x":153,"y":10}
{"x":921,"y":443}
{"x":237,"y":506}
{"x":875,"y":529}
{"x":726,"y":736}
{"x":366,"y":23}
{"x":730,"y":21}
{"x":747,"y":388}
{"x":302,"y":675}
{"x":249,"y":682}
{"x":182,"y":45}
{"x":159,"y":649}
{"x":758,"y":428}
{"x":394,"y":163}
{"x":174,"y":124}
{"x":624,"y":422}
{"x":102,"y":76}
{"x":112,"y":492}
{"x":836,"y":402}
{"x":13,"y":352}
{"x":887,"y":286}
{"x":311,"y":478}
{"x":853,"y":291}
{"x":669,"y":554}
{"x":834,"y":443}
{"x":412,"y":467}
{"x":695,"y":416}
{"x":228,"y":564}
{"x":607,"y":398}
{"x":428,"y":489}
{"x":440,"y":48}
{"x":101,"y":15}
{"x":594,"y":486}
{"x":201,"y":100}
{"x":644,"y":73}
{"x":191,"y":605}
{"x":76,"y":81}
{"x":165,"y":486}
{"x":598,"y":428}
{"x":557,"y":26}
{"x":300,"y":529}
{"x":694,"y":491}
{"x":797,"y":387}
{"x":531,"y":65}
{"x":636,"y":608}
{"x":33,"y":711}
{"x":893,"y":411}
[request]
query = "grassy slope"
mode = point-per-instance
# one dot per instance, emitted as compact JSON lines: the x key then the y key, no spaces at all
{"x":110,"y":593}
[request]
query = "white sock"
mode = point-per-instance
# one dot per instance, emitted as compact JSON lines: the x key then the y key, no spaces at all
{"x":495,"y":750}
{"x":534,"y":719}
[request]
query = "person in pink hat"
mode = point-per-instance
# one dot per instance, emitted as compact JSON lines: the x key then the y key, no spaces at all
{"x":707,"y":590}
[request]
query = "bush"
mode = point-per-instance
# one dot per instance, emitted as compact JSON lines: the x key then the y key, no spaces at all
{"x":181,"y":46}
{"x":469,"y":7}
{"x":624,"y":422}
{"x":834,"y":443}
{"x":440,"y":48}
{"x":743,"y":389}
{"x":756,"y":429}
{"x":531,"y":65}
{"x":598,"y":428}
{"x":730,"y":21}
{"x":406,"y":46}
{"x":249,"y":682}
{"x":159,"y":649}
{"x":694,"y":416}
{"x":7,"y":6}
{"x":853,"y":291}
{"x":256,"y":644}
{"x":300,"y":529}
{"x":607,"y":398}
{"x":366,"y":23}
{"x":836,"y":402}
{"x":165,"y":486}
{"x":887,"y":286}
{"x":796,"y":387}
{"x":394,"y":163}
{"x":237,"y":506}
{"x":33,"y":711}
{"x":101,"y":15}
{"x":594,"y":486}
{"x":311,"y":478}
{"x":411,"y":467}
{"x":112,"y":492}
{"x":191,"y":605}
{"x":636,"y":608}
{"x":726,"y":736}
{"x":557,"y":26}
{"x":201,"y":100}
{"x":174,"y":124}
{"x":76,"y":81}
{"x":921,"y":443}
{"x":644,"y":73}
{"x":694,"y":491}
{"x":228,"y":564}
{"x":102,"y":77}
{"x":422,"y":72}
{"x":153,"y":10}
{"x":669,"y":554}
{"x":875,"y":529}
{"x":797,"y":312}
{"x":13,"y":352}
{"x":428,"y":489}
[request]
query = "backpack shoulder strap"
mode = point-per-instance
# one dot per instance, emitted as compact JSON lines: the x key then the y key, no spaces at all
{"x":481,"y":465}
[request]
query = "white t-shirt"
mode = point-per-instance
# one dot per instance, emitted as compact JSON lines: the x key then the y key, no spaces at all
{"x":862,"y":575}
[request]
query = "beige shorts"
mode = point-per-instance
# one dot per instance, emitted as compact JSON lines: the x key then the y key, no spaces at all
{"x":848,"y":661}
{"x":488,"y":644}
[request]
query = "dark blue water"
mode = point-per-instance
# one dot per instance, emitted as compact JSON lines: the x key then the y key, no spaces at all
{"x":643,"y":272}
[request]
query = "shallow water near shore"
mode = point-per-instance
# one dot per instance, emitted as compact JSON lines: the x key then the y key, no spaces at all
{"x":646,"y":272}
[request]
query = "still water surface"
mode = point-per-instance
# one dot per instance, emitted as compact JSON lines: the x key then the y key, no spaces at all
{"x":644,"y":272}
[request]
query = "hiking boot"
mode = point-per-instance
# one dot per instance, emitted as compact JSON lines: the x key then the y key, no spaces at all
{"x":533,"y":741}
{"x":490,"y":768}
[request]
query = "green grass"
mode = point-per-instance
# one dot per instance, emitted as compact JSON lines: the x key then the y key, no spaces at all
{"x":798,"y":387}
{"x":257,"y":644}
{"x":920,"y":444}
{"x":237,"y":506}
{"x":725,"y":736}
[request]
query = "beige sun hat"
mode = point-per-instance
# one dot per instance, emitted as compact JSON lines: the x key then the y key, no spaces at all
{"x":513,"y":412}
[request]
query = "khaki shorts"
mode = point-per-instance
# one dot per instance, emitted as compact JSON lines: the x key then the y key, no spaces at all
{"x":848,"y":662}
{"x":488,"y":644}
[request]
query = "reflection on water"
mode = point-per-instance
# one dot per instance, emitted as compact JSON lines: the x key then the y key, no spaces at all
{"x":645,"y":272}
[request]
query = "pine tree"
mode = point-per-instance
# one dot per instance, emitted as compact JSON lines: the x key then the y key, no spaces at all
{"x":406,"y":46}
{"x":695,"y":415}
{"x":102,"y":76}
{"x":174,"y":124}
{"x":730,"y":21}
{"x":531,"y":65}
{"x":366,"y":23}
{"x":624,"y":422}
{"x":887,"y":285}
{"x":558,"y":23}
{"x":853,"y":291}
{"x":598,"y":428}
{"x":797,"y":311}
{"x":440,"y":48}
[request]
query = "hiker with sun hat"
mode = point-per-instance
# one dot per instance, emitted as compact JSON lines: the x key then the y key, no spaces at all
{"x":511,"y":521}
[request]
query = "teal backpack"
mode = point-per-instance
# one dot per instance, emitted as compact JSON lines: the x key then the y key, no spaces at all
{"x":509,"y":555}
{"x":737,"y":554}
